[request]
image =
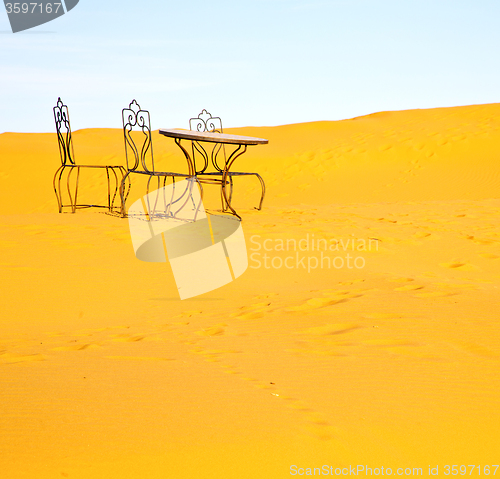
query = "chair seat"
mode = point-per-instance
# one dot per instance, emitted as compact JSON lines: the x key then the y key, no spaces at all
{"x":160,"y":173}
{"x":96,"y":166}
{"x":221,"y":173}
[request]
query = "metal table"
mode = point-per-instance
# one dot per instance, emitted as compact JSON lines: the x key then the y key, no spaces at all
{"x":241,"y":142}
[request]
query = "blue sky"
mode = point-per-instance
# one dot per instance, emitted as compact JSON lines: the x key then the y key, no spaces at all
{"x":265,"y":62}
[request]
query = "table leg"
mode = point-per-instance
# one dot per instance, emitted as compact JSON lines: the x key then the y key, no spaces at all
{"x":235,"y":154}
{"x":191,"y":167}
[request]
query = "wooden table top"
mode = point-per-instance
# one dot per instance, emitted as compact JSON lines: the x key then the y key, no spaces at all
{"x":212,"y":137}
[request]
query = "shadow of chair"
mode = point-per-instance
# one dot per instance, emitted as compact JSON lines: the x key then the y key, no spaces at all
{"x":139,"y":153}
{"x":205,"y":122}
{"x":65,"y":141}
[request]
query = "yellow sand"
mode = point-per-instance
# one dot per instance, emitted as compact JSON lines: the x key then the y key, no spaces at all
{"x":105,"y":373}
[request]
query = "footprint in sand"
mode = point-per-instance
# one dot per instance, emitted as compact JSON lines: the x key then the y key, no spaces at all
{"x":412,"y":352}
{"x":140,"y":358}
{"x":217,"y":330}
{"x":215,"y":356}
{"x":251,"y":315}
{"x":316,"y":424}
{"x":8,"y":358}
{"x":455,"y":285}
{"x":353,"y":281}
{"x":421,"y":234}
{"x":385,"y":147}
{"x":343,"y":294}
{"x":485,"y":242}
{"x":315,"y":303}
{"x":249,"y":379}
{"x":383,"y":316}
{"x":253,"y":311}
{"x":481,"y":241}
{"x":329,"y":329}
{"x":77,"y":347}
{"x":402,"y":347}
{"x":409,"y":287}
{"x":429,"y":274}
{"x":334,"y":296}
{"x":476,"y":349}
{"x":489,"y":256}
{"x":318,"y":353}
{"x":232,"y":371}
{"x":265,"y":296}
{"x":87,"y":332}
{"x":389,"y":342}
{"x":459,"y":265}
{"x":189,"y":314}
{"x":127,"y":338}
{"x":434,"y":294}
{"x":299,"y":405}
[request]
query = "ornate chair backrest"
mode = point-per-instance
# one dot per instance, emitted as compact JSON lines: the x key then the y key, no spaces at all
{"x":63,"y":129}
{"x":137,"y":136}
{"x":206,"y":122}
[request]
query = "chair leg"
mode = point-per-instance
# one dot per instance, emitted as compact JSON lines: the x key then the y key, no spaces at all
{"x":157,"y":193}
{"x":230,"y":189}
{"x":263,"y":186}
{"x":122,"y":195}
{"x":57,"y":186}
{"x":112,"y":203}
{"x":167,"y":209}
{"x":226,"y":204}
{"x":124,"y":174}
{"x":201,"y":190}
{"x":185,"y":194}
{"x":147,"y":195}
{"x":200,"y":202}
{"x":222,"y":200}
{"x":109,"y":189}
{"x":164,"y":196}
{"x":76,"y":189}
{"x":68,"y":186}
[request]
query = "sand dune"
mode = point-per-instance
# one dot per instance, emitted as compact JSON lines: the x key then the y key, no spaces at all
{"x":389,"y":362}
{"x":415,"y":155}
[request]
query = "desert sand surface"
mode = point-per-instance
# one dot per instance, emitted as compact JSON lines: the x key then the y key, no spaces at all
{"x":392,"y":361}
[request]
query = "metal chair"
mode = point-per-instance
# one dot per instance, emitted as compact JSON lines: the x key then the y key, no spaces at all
{"x":65,"y":141}
{"x":139,"y":154}
{"x":206,"y":122}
